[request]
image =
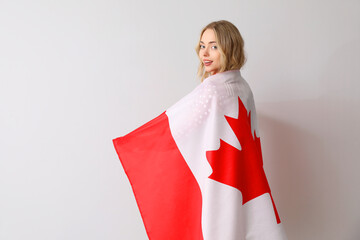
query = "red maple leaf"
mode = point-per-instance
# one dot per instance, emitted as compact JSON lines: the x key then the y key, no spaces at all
{"x":241,"y":169}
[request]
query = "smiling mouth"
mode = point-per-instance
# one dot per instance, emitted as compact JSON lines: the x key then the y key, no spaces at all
{"x":207,"y":63}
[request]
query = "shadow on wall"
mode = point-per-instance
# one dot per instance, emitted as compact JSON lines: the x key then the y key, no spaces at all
{"x":311,"y":154}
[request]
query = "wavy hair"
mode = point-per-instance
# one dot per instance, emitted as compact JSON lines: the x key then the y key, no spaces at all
{"x":230,"y":44}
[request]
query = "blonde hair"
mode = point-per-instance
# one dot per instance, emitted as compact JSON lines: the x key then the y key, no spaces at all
{"x":230,"y":45}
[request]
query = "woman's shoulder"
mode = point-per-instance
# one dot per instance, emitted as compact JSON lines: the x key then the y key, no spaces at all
{"x":228,"y":83}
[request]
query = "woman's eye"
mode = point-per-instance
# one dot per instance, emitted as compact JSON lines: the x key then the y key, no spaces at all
{"x":214,"y":47}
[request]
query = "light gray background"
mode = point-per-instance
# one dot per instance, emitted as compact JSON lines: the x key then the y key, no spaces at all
{"x":76,"y":74}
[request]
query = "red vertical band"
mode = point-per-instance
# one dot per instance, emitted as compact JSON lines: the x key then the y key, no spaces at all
{"x":166,"y":191}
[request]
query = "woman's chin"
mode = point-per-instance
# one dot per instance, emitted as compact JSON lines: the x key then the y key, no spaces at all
{"x":211,"y":71}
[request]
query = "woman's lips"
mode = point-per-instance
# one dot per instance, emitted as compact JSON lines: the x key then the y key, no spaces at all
{"x":207,"y":63}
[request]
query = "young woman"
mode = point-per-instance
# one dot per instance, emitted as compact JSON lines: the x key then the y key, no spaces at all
{"x":196,"y":170}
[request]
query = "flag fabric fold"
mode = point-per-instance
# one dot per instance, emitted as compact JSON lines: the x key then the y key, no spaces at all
{"x":196,"y":170}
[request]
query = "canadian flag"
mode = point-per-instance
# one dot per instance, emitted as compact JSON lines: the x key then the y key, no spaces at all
{"x":196,"y":170}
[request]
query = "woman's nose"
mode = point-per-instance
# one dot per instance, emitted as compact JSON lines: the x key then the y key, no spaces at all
{"x":206,"y":52}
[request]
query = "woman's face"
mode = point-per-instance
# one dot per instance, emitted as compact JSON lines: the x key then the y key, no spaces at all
{"x":209,"y":53}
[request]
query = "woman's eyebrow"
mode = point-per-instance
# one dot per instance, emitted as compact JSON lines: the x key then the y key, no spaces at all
{"x":209,"y":42}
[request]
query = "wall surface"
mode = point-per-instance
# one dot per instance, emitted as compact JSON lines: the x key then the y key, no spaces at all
{"x":76,"y":74}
